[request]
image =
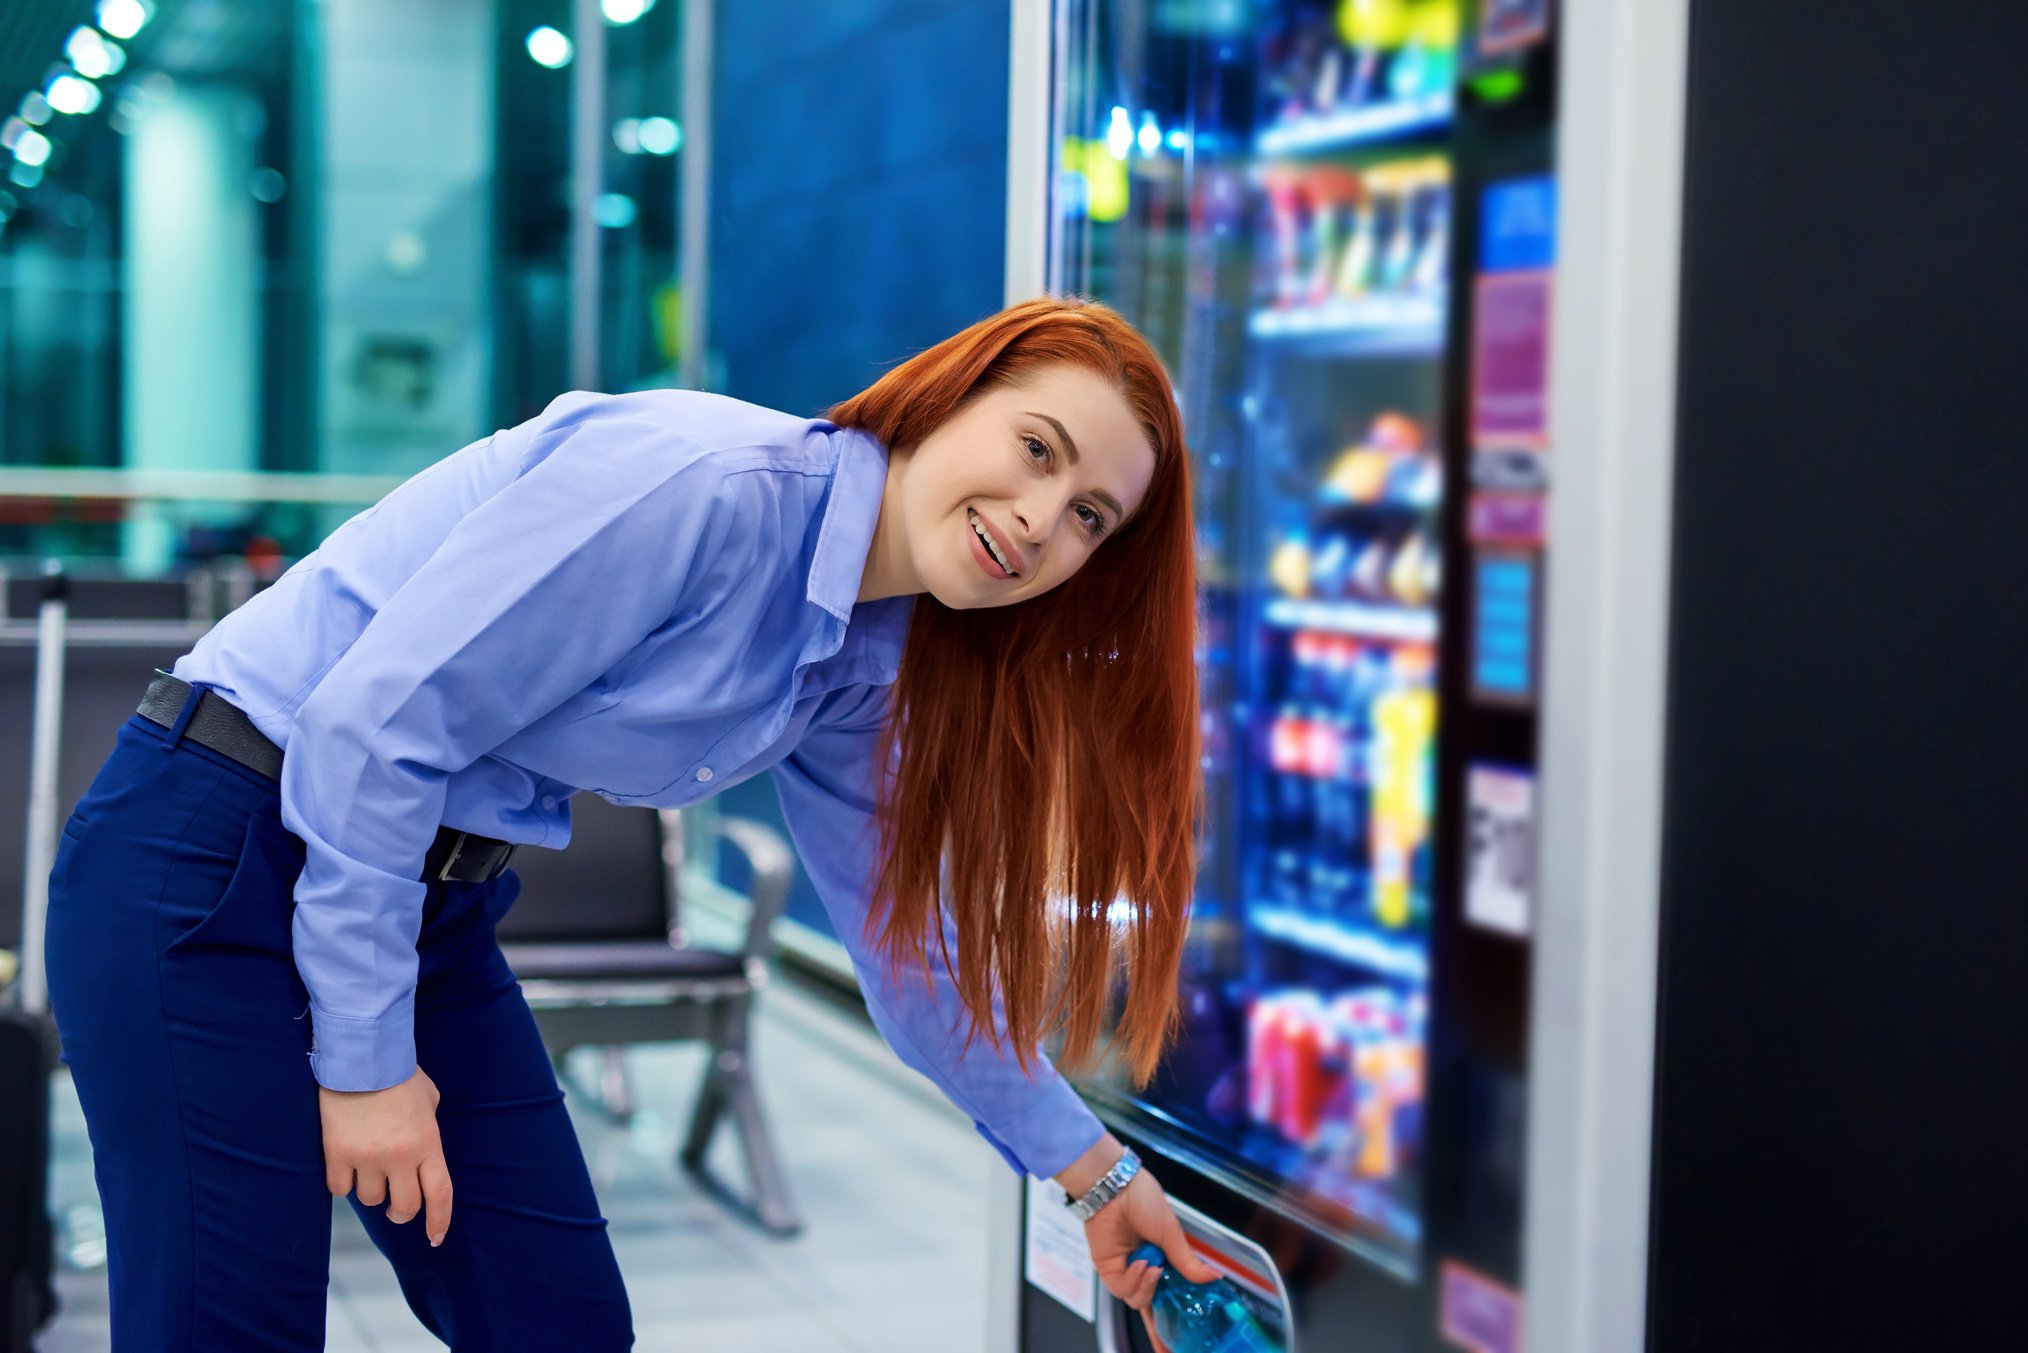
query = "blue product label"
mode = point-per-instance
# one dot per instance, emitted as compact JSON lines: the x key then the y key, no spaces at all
{"x":1503,"y":649}
{"x":1517,"y":229}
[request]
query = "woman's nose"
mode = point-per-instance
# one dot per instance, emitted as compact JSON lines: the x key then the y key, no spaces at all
{"x":1037,"y":522}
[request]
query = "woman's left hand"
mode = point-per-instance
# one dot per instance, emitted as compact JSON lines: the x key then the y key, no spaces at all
{"x":1141,"y":1213}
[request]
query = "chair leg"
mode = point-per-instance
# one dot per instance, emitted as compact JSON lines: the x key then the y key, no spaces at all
{"x":772,"y":1202}
{"x":616,"y":1085}
{"x":728,"y":1083}
{"x":704,"y":1118}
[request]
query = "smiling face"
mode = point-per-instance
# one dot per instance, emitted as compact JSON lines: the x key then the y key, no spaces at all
{"x":1011,"y":495}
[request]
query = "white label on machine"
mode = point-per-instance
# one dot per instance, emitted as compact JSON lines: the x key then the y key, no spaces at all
{"x":1500,"y":849}
{"x":1058,"y":1261}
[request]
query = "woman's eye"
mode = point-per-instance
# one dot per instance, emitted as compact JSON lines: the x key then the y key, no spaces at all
{"x":1034,"y":446}
{"x":1095,"y":523}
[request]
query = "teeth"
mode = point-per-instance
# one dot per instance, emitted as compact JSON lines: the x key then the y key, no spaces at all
{"x":987,"y":539}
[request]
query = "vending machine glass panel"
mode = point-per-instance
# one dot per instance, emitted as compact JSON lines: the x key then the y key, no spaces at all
{"x":1265,"y":189}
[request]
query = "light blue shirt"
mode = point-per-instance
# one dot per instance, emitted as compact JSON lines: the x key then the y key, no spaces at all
{"x":650,"y":596}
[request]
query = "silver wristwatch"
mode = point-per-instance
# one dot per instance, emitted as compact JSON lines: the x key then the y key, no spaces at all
{"x":1110,"y":1185}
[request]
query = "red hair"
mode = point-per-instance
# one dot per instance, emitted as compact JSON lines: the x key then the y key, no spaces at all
{"x":1045,"y":754}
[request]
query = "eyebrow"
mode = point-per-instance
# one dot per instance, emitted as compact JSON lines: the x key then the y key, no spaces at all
{"x":1070,"y":448}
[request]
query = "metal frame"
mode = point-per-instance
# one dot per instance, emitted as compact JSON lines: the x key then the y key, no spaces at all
{"x":587,"y":176}
{"x":1624,"y":70}
{"x":197,"y":486}
{"x":694,"y":368}
{"x":1031,"y":45}
{"x":44,"y":749}
{"x":698,"y":45}
{"x":1031,"y":36}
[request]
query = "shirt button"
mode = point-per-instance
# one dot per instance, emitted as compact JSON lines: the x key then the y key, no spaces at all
{"x":704,"y":775}
{"x":549,"y":801}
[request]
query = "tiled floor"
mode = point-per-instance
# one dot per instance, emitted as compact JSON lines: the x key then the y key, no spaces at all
{"x":869,"y":1274}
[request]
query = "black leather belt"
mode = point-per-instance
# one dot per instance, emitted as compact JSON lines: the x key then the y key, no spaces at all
{"x":455,"y":856}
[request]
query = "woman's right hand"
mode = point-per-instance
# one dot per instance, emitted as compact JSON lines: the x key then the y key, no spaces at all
{"x":383,"y":1145}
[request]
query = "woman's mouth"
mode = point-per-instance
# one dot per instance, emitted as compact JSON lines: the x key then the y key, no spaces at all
{"x":985,"y":551}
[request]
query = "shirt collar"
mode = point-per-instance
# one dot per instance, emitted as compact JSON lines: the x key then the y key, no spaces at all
{"x":851,"y":511}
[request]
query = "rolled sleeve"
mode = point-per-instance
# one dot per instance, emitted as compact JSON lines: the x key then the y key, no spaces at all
{"x":1037,"y":1122}
{"x":535,"y":593}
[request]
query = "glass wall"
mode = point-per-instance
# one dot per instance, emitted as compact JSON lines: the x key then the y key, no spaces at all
{"x":260,"y":260}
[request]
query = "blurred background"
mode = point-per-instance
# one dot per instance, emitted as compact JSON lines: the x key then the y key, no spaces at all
{"x":261,"y":260}
{"x":1617,"y":941}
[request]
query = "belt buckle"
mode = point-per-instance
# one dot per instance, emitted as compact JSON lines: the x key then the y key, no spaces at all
{"x":457,"y":852}
{"x":450,"y":860}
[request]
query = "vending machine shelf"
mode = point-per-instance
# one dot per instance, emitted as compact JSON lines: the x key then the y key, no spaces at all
{"x":1359,"y":126}
{"x":1380,"y":325}
{"x":1402,"y":959}
{"x":1406,"y":624}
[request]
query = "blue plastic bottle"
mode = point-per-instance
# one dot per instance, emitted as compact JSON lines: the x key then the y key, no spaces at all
{"x":1203,"y":1317}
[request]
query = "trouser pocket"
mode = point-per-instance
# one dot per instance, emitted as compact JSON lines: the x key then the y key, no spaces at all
{"x":229,"y":955}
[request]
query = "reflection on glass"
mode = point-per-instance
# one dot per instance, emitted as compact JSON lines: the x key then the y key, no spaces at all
{"x":337,"y":244}
{"x":641,"y":300}
{"x":531,"y":355}
{"x":1264,"y":189}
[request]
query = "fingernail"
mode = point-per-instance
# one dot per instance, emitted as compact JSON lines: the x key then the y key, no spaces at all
{"x":436,"y":1241}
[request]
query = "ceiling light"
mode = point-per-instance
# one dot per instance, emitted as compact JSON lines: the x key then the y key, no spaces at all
{"x":549,"y":48}
{"x":94,"y":57}
{"x":31,"y":147}
{"x":1150,"y":138}
{"x":72,"y":94}
{"x":660,"y":136}
{"x":1119,"y":134}
{"x":614,"y":211}
{"x":122,"y":18}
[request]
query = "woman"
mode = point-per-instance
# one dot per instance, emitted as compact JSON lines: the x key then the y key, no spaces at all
{"x":954,"y":618}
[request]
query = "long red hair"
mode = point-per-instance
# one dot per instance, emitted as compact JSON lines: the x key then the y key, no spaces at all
{"x":1047,"y":770}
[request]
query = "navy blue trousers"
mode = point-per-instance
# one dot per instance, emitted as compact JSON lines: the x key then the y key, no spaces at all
{"x":186,"y":1029}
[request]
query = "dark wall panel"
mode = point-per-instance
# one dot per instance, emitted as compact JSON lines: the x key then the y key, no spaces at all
{"x":1842,"y":1126}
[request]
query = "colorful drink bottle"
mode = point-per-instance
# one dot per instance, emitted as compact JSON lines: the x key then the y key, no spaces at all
{"x":1404,"y":725}
{"x":1203,"y":1317}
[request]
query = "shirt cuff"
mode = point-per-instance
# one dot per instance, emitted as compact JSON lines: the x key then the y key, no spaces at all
{"x":362,"y":1054}
{"x":1047,"y":1136}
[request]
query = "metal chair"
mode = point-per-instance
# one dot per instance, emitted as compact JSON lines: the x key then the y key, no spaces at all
{"x":596,"y":938}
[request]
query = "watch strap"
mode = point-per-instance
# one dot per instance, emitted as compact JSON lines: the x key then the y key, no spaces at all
{"x":1109,"y":1186}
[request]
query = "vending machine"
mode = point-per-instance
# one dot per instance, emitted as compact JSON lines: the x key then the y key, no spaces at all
{"x":1336,"y":219}
{"x":1605,"y":439}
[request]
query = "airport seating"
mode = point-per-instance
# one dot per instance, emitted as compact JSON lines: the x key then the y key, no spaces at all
{"x":597,"y":940}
